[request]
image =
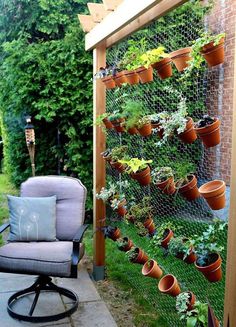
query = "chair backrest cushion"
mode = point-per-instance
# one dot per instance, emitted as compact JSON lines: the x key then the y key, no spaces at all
{"x":70,"y":205}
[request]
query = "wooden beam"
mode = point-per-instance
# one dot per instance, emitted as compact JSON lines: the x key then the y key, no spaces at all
{"x":230,"y":287}
{"x":97,"y":11}
{"x":86,"y":22}
{"x":156,"y":12}
{"x":99,"y":172}
{"x":111,"y":4}
{"x":125,"y":13}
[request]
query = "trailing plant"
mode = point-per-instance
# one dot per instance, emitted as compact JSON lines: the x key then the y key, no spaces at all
{"x":135,"y":165}
{"x":161,"y":174}
{"x":152,"y":56}
{"x":162,"y":232}
{"x":182,"y":300}
{"x":180,"y":245}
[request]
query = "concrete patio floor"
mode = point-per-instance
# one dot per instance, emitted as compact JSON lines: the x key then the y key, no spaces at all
{"x":92,"y":311}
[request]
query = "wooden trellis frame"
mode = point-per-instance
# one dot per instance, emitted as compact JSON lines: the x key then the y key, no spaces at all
{"x":114,"y":21}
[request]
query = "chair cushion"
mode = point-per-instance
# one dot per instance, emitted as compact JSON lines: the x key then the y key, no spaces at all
{"x":32,"y":219}
{"x":38,"y":258}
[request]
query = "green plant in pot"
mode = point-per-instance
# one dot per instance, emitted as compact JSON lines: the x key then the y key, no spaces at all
{"x":197,"y":317}
{"x":139,"y":170}
{"x":208,"y":251}
{"x":163,"y":177}
{"x":105,"y":74}
{"x":144,"y":126}
{"x":106,"y":155}
{"x":119,"y":153}
{"x":185,"y":302}
{"x":186,"y":181}
{"x":137,"y":255}
{"x":164,"y":234}
{"x":124,"y":244}
{"x":182,"y":248}
{"x":156,"y":125}
{"x":132,"y":110}
{"x":159,"y":60}
{"x":102,"y":120}
{"x":111,"y":232}
{"x":118,"y":121}
{"x":208,"y":129}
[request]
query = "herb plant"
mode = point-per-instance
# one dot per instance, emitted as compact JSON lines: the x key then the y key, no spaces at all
{"x":132,"y":57}
{"x":162,"y":231}
{"x":135,"y":165}
{"x":198,"y":317}
{"x":152,"y":56}
{"x":161,"y":174}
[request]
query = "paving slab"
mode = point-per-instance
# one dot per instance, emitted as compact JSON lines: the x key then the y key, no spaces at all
{"x":12,"y":283}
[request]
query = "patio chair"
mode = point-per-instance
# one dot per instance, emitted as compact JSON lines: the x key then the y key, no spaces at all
{"x":49,"y":259}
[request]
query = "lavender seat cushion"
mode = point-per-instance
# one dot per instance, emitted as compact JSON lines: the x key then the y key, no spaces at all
{"x":39,"y":258}
{"x":32,"y":219}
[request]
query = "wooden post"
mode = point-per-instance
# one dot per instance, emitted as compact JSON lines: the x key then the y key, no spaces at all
{"x":230,"y":287}
{"x":99,"y":172}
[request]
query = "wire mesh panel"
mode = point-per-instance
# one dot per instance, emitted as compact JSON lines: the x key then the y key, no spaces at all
{"x":203,"y":93}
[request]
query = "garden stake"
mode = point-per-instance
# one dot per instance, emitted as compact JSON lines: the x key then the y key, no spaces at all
{"x":30,"y":142}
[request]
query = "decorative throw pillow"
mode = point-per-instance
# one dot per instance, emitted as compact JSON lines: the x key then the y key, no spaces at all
{"x":32,"y":219}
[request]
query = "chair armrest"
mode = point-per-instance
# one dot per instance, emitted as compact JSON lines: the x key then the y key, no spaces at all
{"x":80,"y":233}
{"x":4,"y":226}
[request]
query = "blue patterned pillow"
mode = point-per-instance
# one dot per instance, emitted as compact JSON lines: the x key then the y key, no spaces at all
{"x":32,"y":219}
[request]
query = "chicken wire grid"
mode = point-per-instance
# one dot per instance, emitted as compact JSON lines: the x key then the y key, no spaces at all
{"x":203,"y":94}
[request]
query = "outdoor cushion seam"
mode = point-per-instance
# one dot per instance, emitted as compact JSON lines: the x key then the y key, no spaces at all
{"x":14,"y":258}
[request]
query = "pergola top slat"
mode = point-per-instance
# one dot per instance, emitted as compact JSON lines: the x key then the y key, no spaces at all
{"x":86,"y":22}
{"x":97,"y":11}
{"x":112,"y":4}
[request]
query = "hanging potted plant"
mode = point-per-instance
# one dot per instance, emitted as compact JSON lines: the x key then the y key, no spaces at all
{"x":118,"y":121}
{"x":117,"y":154}
{"x":159,"y":60}
{"x":169,"y":285}
{"x":208,"y":252}
{"x":137,"y":255}
{"x":156,"y":125}
{"x":132,"y":110}
{"x":125,"y":244}
{"x":105,"y":74}
{"x":164,"y":234}
{"x":102,"y":120}
{"x":181,"y":58}
{"x":182,"y":248}
{"x":163,"y":178}
{"x":189,"y":135}
{"x":208,"y":129}
{"x":139,"y":170}
{"x":214,"y":193}
{"x":111,"y":232}
{"x":151,"y":269}
{"x":144,"y":126}
{"x":185,"y":302}
{"x":118,"y":203}
{"x":106,"y":155}
{"x":186,"y":182}
{"x":197,"y":317}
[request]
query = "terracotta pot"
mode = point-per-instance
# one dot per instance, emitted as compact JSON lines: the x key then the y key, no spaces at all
{"x":159,"y":131}
{"x":109,"y":82}
{"x":143,"y":177}
{"x":181,"y":57}
{"x":128,"y":246}
{"x":213,"y":272}
{"x":120,"y":78}
{"x":145,"y":74}
{"x":116,"y":234}
{"x":214,"y":54}
{"x":118,"y":166}
{"x":214,"y":193}
{"x":151,"y":269}
{"x":149,"y":225}
{"x":131,"y":77}
{"x":166,"y":240}
{"x":108,"y":124}
{"x":164,"y":68}
{"x":189,"y":135}
{"x":210,"y":135}
{"x":191,"y":258}
{"x":107,"y":158}
{"x":145,"y":130}
{"x":121,"y":209}
{"x":168,"y":186}
{"x":169,"y":285}
{"x":132,"y":131}
{"x":142,"y":257}
{"x":118,"y":125}
{"x":190,"y":190}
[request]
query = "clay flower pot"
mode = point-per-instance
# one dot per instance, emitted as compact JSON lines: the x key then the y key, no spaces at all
{"x":128,"y":246}
{"x":143,"y":177}
{"x":214,"y":193}
{"x":120,"y":78}
{"x":149,"y":225}
{"x":145,"y":130}
{"x":164,"y":68}
{"x":214,"y":54}
{"x":118,"y":166}
{"x":118,"y":125}
{"x":115,"y":235}
{"x":121,"y":209}
{"x":212,"y":272}
{"x":168,"y":186}
{"x":190,"y":190}
{"x":151,"y":269}
{"x":166,"y":240}
{"x":132,"y":130}
{"x":131,"y":77}
{"x":108,"y":124}
{"x":191,"y":258}
{"x":169,"y":285}
{"x":210,"y":135}
{"x":181,"y":57}
{"x":109,"y":82}
{"x":189,"y":134}
{"x":141,"y":258}
{"x":145,"y":74}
